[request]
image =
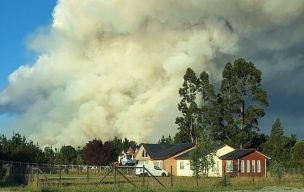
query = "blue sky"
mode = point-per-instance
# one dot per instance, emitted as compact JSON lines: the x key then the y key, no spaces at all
{"x":18,"y":19}
{"x":61,"y":95}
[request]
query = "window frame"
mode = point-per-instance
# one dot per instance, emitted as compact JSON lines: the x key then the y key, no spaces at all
{"x":229,"y":166}
{"x":248,"y":166}
{"x":242,"y":166}
{"x":181,"y":165}
{"x":253,"y":166}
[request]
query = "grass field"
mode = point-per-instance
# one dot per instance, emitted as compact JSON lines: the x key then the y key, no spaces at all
{"x":180,"y":184}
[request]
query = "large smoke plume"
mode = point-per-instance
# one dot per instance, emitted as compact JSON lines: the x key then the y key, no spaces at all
{"x":113,"y":68}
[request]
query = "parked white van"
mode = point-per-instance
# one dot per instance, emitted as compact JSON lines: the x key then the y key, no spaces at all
{"x":154,"y":170}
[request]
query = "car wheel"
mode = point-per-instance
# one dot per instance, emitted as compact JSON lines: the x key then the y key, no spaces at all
{"x":163,"y":174}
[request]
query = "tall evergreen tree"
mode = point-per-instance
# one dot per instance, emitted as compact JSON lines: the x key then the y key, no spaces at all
{"x":242,"y":100}
{"x":207,"y":110}
{"x":197,"y":96}
{"x":274,"y":147}
{"x":199,"y":116}
{"x":188,"y":107}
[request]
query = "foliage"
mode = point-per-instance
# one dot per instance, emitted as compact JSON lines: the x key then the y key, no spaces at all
{"x":49,"y":155}
{"x":275,"y":145}
{"x":93,"y":152}
{"x":279,"y":146}
{"x":108,"y":153}
{"x":297,"y":154}
{"x":166,"y":140}
{"x":187,"y":124}
{"x":196,"y":95}
{"x":2,"y":171}
{"x":258,"y":140}
{"x":97,"y":153}
{"x":68,"y":155}
{"x":80,"y":156}
{"x":241,"y":103}
{"x":122,"y":144}
{"x":17,"y":148}
{"x":202,"y":156}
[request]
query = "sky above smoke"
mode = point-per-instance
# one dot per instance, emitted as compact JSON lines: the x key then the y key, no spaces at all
{"x":113,"y":68}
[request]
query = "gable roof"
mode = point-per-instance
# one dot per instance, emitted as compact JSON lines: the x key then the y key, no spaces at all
{"x":184,"y":156}
{"x":238,"y":153}
{"x":163,"y":151}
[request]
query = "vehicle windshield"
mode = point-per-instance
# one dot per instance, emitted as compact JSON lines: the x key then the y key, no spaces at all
{"x":157,"y":168}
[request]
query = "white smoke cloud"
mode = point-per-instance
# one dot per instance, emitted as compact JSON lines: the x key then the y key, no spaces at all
{"x":113,"y":68}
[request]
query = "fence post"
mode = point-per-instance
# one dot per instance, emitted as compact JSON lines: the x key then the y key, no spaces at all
{"x":196,"y":170}
{"x":37,"y":178}
{"x":32,"y":177}
{"x":171,"y":175}
{"x":143,"y":175}
{"x":253,"y":172}
{"x":88,"y":174}
{"x":115,"y":173}
{"x":280,"y":175}
{"x":225,"y":178}
{"x":60,"y":175}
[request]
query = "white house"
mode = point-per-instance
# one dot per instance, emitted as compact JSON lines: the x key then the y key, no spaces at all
{"x":183,"y":163}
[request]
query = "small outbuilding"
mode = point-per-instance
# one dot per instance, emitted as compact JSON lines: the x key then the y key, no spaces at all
{"x":244,"y":163}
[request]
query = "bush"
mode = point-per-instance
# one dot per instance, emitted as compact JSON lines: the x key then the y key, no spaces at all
{"x":2,"y":172}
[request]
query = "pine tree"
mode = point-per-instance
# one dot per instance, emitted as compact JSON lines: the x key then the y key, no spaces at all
{"x":274,"y":147}
{"x":188,"y":107}
{"x":196,"y":106}
{"x":242,"y":100}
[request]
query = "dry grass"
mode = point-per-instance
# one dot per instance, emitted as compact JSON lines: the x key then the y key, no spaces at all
{"x":78,"y":182}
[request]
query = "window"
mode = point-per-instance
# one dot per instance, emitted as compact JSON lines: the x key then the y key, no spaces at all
{"x":253,"y":166}
{"x":242,"y":166}
{"x":248,"y":166}
{"x":229,"y":166}
{"x":181,"y":165}
{"x":144,"y":153}
{"x":259,"y":166}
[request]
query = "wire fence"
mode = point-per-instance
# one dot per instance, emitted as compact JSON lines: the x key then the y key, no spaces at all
{"x":63,"y":175}
{"x":74,"y":175}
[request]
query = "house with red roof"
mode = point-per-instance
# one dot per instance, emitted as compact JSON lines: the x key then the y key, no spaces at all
{"x":244,"y":163}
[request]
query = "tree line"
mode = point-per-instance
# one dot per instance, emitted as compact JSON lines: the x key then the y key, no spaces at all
{"x":230,"y":115}
{"x":94,"y":152}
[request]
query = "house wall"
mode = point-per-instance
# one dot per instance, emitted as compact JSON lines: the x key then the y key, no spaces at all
{"x":168,"y":163}
{"x":173,"y":162}
{"x":187,"y":169}
{"x":252,"y":158}
{"x":143,"y":159}
{"x":216,"y":169}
